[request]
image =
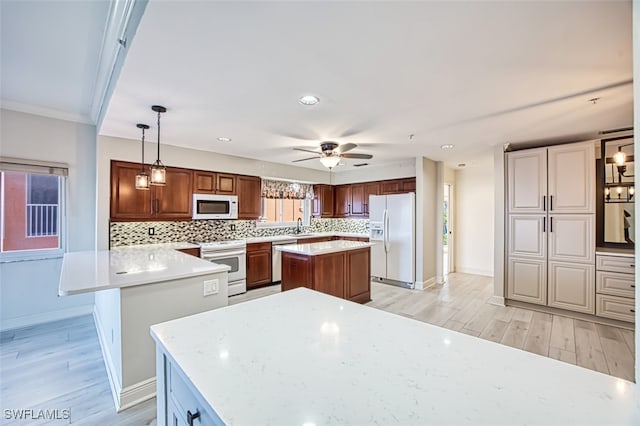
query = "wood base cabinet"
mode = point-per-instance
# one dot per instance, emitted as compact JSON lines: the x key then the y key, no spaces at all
{"x":258,"y":264}
{"x":344,"y":274}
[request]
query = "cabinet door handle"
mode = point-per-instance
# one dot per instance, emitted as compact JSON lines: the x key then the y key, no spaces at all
{"x":544,"y":203}
{"x":632,"y":310}
{"x":632,"y":265}
{"x":544,"y":224}
{"x":551,"y":224}
{"x":633,"y":286}
{"x":192,"y":416}
{"x":550,"y":202}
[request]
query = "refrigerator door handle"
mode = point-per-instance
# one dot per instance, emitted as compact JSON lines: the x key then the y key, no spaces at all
{"x":386,"y":231}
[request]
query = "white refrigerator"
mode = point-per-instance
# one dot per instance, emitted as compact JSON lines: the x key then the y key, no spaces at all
{"x":392,"y":230}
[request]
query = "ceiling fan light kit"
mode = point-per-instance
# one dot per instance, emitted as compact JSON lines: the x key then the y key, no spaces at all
{"x":331,"y":161}
{"x":331,"y":153}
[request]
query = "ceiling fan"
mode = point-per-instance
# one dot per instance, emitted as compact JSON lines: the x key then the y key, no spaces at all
{"x":332,"y":152}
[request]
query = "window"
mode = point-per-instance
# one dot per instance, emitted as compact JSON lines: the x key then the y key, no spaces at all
{"x":31,"y":220}
{"x":283,"y":203}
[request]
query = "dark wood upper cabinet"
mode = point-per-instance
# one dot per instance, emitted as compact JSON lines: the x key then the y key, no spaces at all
{"x":204,"y":182}
{"x":357,"y":200}
{"x":390,"y":186}
{"x":370,"y":188}
{"x":322,"y":200}
{"x":249,"y":197}
{"x":127,"y":202}
{"x":225,"y":184}
{"x":174,"y":200}
{"x":409,"y":185}
{"x":342,"y":201}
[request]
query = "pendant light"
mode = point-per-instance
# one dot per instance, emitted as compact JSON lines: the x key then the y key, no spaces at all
{"x":158,"y":170}
{"x":142,"y":177}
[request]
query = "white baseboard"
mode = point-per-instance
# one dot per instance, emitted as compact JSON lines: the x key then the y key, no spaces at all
{"x":421,"y":285}
{"x":474,"y":271}
{"x":112,"y":374}
{"x":137,"y":393}
{"x":131,"y":395}
{"x":497,"y":300}
{"x":29,"y":320}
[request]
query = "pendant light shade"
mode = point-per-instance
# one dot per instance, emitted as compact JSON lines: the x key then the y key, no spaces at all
{"x":158,"y":170}
{"x":142,"y":177}
{"x":330,"y":161}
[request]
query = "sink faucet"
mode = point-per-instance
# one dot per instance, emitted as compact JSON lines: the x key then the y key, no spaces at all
{"x":298,"y":225}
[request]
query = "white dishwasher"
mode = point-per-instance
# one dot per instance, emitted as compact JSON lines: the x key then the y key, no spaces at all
{"x":276,"y":260}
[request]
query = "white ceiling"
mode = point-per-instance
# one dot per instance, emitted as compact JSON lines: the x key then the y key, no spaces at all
{"x":50,"y":56}
{"x":474,"y":74}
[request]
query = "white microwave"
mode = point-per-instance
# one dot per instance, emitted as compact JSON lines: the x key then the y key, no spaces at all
{"x":210,"y":206}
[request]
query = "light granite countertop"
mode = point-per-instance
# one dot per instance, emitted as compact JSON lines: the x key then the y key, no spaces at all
{"x":89,"y":271}
{"x":302,"y":236}
{"x":342,"y":363}
{"x":315,"y":249}
{"x":613,"y":251}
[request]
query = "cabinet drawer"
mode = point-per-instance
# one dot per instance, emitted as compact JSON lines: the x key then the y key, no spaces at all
{"x":259,"y":246}
{"x":614,"y":307}
{"x":615,"y":264}
{"x":615,"y":284}
{"x":182,"y":399}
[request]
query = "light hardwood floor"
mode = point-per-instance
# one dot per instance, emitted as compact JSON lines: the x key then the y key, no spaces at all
{"x":59,"y":365}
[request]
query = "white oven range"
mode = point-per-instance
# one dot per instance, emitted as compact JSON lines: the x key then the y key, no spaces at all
{"x":231,"y":253}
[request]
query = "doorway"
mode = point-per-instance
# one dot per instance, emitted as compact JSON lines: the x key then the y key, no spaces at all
{"x":447,"y":240}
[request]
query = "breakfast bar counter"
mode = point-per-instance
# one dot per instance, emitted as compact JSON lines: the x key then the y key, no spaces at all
{"x":305,"y":358}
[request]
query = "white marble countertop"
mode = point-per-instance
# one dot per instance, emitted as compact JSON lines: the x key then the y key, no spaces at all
{"x":613,"y":251}
{"x":325,"y":247}
{"x":89,"y":271}
{"x":305,"y":358}
{"x":302,"y":236}
{"x":178,"y":245}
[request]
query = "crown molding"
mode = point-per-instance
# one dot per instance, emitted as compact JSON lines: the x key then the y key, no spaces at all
{"x":46,"y":112}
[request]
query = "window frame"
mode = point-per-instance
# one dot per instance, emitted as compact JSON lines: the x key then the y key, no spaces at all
{"x":36,"y":167}
{"x":307,"y":213}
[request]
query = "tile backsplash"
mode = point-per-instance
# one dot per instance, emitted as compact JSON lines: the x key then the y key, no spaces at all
{"x":133,"y":233}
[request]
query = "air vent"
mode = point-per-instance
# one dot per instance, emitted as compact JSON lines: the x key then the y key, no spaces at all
{"x":360,"y":164}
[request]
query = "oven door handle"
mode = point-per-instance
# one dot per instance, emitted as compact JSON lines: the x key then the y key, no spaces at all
{"x":220,"y":255}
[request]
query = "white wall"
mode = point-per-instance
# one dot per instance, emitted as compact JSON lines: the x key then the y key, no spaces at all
{"x":636,"y":104}
{"x":29,"y":289}
{"x":474,"y":204}
{"x":426,"y":213}
{"x":402,"y":169}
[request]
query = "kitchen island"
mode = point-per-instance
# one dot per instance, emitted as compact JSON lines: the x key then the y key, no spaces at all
{"x":339,"y":268}
{"x":136,"y":287}
{"x":304,"y":358}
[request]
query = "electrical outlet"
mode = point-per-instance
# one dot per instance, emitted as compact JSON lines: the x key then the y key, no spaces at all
{"x":211,"y":287}
{"x":232,"y":226}
{"x":152,"y":231}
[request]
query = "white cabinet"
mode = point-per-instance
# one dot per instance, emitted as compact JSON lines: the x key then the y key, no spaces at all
{"x":571,"y":172}
{"x":527,"y":280}
{"x":571,"y":286}
{"x":615,"y":287}
{"x":528,"y":236}
{"x":571,"y":238}
{"x":527,"y":181}
{"x":550,"y":232}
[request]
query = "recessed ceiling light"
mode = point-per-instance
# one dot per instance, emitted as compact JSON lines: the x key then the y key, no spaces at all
{"x":223,"y":139}
{"x":447,"y":146}
{"x":309,"y":100}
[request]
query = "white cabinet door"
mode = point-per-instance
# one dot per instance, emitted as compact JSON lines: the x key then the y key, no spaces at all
{"x":572,"y":178}
{"x":572,"y":287}
{"x":527,"y":180}
{"x":527,"y":280}
{"x":527,"y":236}
{"x":571,"y":238}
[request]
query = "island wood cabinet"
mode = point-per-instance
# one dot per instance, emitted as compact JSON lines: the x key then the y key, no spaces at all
{"x":344,"y":274}
{"x":192,"y":251}
{"x":258,"y":264}
{"x":323,"y":196}
{"x":170,"y":202}
{"x":205,"y":182}
{"x":551,"y":226}
{"x":249,"y":196}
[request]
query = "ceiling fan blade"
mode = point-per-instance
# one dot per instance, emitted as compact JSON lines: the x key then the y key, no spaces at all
{"x":305,"y":159}
{"x":306,"y":150}
{"x":346,"y":147}
{"x":362,"y":156}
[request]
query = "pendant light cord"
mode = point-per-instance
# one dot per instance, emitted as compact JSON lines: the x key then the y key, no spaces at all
{"x":142,"y":163}
{"x":158,"y":160}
